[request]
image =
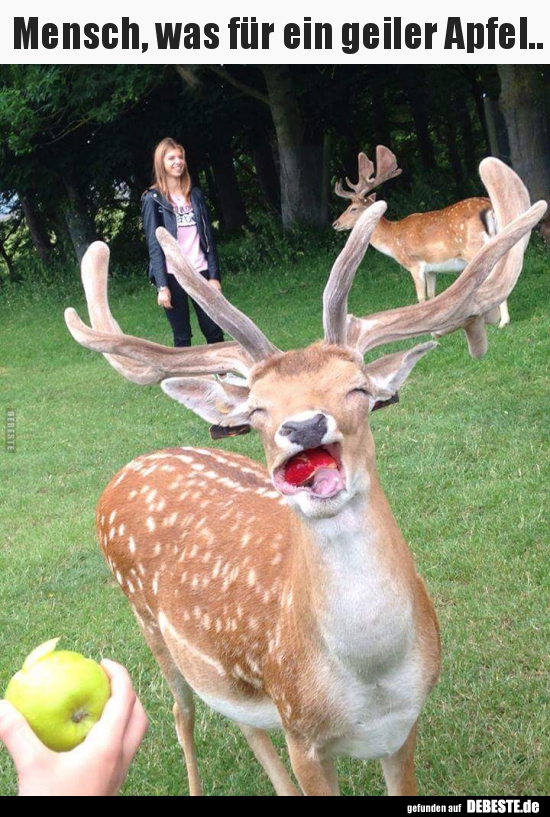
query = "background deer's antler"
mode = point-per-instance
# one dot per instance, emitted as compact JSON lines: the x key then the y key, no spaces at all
{"x":386,"y":168}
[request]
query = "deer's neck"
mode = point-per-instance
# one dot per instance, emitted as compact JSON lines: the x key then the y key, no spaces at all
{"x":353,"y":578}
{"x":383,"y":238}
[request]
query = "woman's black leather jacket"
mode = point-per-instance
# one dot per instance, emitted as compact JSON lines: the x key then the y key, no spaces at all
{"x":156,"y":211}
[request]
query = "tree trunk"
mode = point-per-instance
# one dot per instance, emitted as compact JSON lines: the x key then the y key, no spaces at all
{"x":233,"y":213}
{"x":63,"y":243}
{"x":39,"y":235}
{"x":496,"y":128}
{"x":419,"y":109}
{"x":465,"y":124}
{"x":479,"y":99}
{"x":352,"y":148}
{"x":77,"y":217}
{"x":13,"y":275}
{"x":300,"y":164}
{"x":266,"y":171}
{"x":212,"y":192}
{"x":454,"y":155}
{"x":523,"y":105}
{"x":381,"y":128}
{"x":325,"y":186}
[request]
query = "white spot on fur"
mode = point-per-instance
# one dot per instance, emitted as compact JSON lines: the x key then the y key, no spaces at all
{"x":238,"y":672}
{"x":170,"y":521}
{"x":184,"y":458}
{"x":169,"y":631}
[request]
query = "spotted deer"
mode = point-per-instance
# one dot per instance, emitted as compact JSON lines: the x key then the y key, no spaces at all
{"x":282,"y":604}
{"x":424,"y":243}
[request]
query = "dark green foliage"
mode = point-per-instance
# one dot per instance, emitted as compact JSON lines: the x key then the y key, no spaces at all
{"x":263,"y":244}
{"x":76,"y":143}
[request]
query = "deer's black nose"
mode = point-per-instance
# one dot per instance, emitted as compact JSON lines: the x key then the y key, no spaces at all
{"x":306,"y":433}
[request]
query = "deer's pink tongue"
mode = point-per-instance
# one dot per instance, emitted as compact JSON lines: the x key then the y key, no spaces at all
{"x":327,"y":482}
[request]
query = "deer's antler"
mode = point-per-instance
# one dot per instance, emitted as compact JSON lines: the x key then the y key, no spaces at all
{"x":138,"y":360}
{"x":335,"y":297}
{"x":230,"y":318}
{"x":386,"y":168}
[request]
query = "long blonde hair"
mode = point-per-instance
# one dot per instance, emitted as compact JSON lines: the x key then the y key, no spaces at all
{"x":159,"y":172}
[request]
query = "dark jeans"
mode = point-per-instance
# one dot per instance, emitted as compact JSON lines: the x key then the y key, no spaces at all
{"x":179,"y":320}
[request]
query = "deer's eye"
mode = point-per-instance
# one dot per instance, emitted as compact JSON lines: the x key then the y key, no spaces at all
{"x":360,"y":390}
{"x":257,"y":413}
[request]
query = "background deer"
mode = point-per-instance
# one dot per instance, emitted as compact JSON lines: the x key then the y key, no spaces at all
{"x":289,"y":601}
{"x":424,"y":243}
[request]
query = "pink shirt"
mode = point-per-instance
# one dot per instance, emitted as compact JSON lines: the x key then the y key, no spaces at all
{"x":188,"y":235}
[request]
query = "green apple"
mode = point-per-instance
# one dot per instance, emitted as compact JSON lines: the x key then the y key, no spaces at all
{"x":61,"y":694}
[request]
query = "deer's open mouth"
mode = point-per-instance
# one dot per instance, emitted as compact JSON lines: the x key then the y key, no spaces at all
{"x":318,"y":471}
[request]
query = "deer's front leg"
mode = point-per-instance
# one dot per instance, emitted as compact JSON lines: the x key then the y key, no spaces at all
{"x":266,"y":754}
{"x":419,"y":278}
{"x":315,"y":774}
{"x":504,"y":315}
{"x":431,"y":284}
{"x":399,"y":768}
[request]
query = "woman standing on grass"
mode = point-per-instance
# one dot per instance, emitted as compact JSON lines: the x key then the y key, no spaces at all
{"x":173,"y":203}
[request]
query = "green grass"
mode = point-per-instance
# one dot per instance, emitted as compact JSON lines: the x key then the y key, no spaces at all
{"x":464,"y":459}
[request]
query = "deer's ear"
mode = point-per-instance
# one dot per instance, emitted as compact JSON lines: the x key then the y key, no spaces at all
{"x":387,"y":374}
{"x":223,"y":404}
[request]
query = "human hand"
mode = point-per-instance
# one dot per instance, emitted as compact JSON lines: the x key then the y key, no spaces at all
{"x":98,"y":766}
{"x":215,"y":283}
{"x":164,"y":298}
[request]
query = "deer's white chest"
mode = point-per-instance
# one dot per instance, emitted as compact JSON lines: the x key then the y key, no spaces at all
{"x":450,"y":265}
{"x":380,"y":710}
{"x":369,"y":629}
